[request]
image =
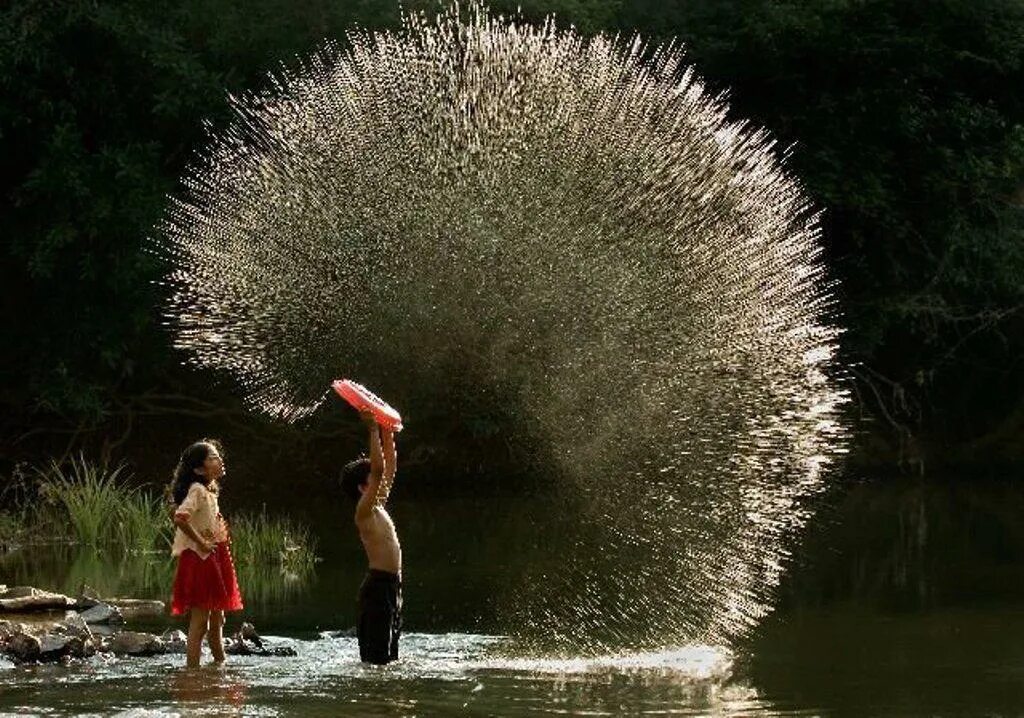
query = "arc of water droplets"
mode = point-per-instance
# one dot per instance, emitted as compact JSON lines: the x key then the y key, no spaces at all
{"x":577,"y":226}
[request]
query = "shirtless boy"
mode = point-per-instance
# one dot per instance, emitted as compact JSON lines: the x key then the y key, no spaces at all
{"x":368,"y":483}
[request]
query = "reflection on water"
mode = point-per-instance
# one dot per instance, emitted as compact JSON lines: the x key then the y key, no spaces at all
{"x":66,"y":569}
{"x":210,"y":686}
{"x":115,"y":573}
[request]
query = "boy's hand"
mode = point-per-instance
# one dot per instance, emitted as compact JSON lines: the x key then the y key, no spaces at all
{"x":368,"y":418}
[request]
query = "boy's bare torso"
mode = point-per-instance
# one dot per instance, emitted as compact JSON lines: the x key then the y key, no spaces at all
{"x":380,"y":540}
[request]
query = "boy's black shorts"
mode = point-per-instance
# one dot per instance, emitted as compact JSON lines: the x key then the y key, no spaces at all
{"x":380,"y":617}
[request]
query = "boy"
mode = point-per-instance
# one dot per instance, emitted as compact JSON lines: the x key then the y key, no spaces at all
{"x":368,"y":482}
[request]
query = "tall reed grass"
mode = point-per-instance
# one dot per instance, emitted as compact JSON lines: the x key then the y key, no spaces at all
{"x":98,"y":507}
{"x":263,"y":540}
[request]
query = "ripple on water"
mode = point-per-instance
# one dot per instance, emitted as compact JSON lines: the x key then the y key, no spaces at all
{"x":472,"y":674}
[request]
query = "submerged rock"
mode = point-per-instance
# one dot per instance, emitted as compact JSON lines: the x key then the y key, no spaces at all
{"x":174,"y":641}
{"x":134,"y":643}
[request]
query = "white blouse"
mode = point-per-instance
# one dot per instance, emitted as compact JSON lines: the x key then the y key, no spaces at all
{"x":201,"y":510}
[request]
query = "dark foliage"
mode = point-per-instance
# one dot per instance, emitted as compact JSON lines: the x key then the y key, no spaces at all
{"x":905,"y":121}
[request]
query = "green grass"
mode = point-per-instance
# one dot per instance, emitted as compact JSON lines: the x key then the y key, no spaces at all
{"x":144,"y":524}
{"x":263,"y":540}
{"x":274,"y":557}
{"x":99,"y":508}
{"x":95,"y":507}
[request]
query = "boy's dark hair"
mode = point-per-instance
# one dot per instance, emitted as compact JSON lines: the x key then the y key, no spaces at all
{"x":353,"y":475}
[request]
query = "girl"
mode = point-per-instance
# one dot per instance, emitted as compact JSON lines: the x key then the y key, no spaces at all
{"x":205,"y":583}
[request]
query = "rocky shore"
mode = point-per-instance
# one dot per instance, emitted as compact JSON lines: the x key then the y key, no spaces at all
{"x":38,"y":626}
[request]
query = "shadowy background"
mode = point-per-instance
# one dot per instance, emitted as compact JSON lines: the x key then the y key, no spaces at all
{"x":904,"y":120}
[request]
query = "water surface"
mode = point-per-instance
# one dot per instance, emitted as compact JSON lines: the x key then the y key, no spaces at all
{"x":904,"y":600}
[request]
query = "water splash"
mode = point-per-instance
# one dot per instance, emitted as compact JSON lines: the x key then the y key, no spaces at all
{"x":572,"y":224}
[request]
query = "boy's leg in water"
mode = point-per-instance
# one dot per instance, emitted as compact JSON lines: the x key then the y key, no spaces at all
{"x":374,"y":632}
{"x":197,"y":627}
{"x":380,"y":620}
{"x":216,"y":635}
{"x":396,"y":625}
{"x":375,"y":622}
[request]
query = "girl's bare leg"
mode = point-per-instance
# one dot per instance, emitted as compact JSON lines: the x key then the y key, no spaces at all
{"x":216,"y":635}
{"x":197,"y":627}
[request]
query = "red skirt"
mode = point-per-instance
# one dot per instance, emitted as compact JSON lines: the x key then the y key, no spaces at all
{"x":208,"y":583}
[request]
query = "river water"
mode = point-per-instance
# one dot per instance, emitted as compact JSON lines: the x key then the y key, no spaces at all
{"x":903,"y":600}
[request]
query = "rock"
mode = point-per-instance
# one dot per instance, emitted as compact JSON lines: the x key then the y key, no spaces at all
{"x":133,"y":643}
{"x":87,"y":598}
{"x":174,"y":641}
{"x":247,"y":632}
{"x":130,"y":607}
{"x":26,"y":598}
{"x":8,"y":629}
{"x":16,"y":591}
{"x":88,"y":648}
{"x":241,"y":648}
{"x":104,"y":629}
{"x":53,"y":643}
{"x":102,"y":613}
{"x":134,"y":608}
{"x":55,"y":647}
{"x":247,"y":642}
{"x":75,"y":625}
{"x":237,"y":647}
{"x":23,"y":647}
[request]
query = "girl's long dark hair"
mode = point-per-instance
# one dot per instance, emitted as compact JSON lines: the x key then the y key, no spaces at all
{"x":184,"y":475}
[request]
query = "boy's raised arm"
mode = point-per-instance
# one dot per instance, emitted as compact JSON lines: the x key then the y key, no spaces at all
{"x":368,"y":500}
{"x":390,"y":464}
